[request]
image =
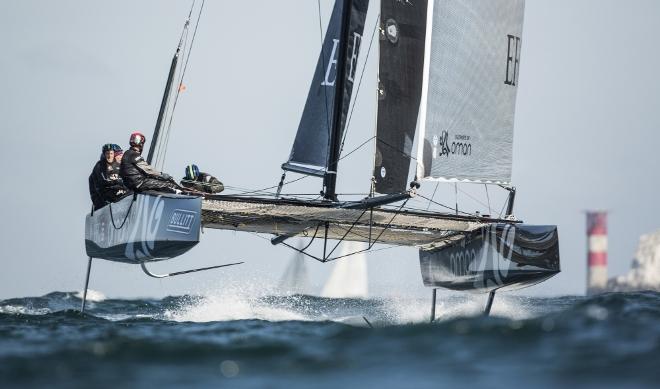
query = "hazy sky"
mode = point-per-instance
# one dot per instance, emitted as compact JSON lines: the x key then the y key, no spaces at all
{"x":77,"y":74}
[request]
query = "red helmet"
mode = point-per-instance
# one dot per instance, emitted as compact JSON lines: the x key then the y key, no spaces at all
{"x":137,"y":140}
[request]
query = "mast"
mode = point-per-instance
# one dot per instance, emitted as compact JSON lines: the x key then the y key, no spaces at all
{"x":330,"y":178}
{"x":163,"y":105}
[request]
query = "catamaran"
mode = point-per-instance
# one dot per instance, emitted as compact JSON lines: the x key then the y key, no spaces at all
{"x":446,"y":94}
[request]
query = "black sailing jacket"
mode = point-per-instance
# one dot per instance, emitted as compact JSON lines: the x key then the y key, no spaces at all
{"x":135,"y":170}
{"x":105,"y":184}
{"x":94,"y":179}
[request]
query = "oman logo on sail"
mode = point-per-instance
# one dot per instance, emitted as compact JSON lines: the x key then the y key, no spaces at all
{"x":331,"y":70}
{"x":460,"y":145}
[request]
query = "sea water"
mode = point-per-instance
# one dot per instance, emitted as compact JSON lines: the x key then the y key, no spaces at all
{"x":238,"y":340}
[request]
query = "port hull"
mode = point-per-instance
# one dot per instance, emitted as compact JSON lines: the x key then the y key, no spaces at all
{"x":144,"y":228}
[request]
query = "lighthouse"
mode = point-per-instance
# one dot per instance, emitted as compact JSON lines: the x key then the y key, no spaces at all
{"x":596,"y":252}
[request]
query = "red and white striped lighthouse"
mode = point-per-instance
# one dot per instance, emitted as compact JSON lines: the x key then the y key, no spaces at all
{"x":597,"y":251}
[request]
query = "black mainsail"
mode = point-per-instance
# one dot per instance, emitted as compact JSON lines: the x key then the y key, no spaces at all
{"x":402,"y":39}
{"x":310,"y":153}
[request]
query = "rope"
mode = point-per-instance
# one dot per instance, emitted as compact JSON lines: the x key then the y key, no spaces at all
{"x":313,"y":237}
{"x":112,"y":218}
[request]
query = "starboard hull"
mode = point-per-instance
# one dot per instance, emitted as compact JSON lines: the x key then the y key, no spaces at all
{"x":497,"y":256}
{"x":143,"y":228}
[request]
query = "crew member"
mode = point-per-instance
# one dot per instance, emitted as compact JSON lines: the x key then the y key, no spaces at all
{"x":94,"y":178}
{"x":138,"y":175}
{"x":105,"y":184}
{"x":203,"y":182}
{"x":119,"y":153}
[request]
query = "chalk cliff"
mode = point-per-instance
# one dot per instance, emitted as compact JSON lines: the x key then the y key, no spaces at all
{"x":645,"y":271}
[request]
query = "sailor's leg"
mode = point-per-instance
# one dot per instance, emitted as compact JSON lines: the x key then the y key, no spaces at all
{"x":435,"y":291}
{"x":158,"y":186}
{"x":84,"y":299}
{"x":489,"y":304}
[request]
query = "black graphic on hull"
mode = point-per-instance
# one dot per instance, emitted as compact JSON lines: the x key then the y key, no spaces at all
{"x":497,"y":256}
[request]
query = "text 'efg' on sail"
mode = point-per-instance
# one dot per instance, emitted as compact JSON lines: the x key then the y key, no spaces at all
{"x":310,"y":151}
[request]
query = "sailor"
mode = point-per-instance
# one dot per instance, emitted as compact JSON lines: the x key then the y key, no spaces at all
{"x":138,"y":175}
{"x":105,"y":184}
{"x":119,"y":152}
{"x":94,"y":179}
{"x":202,"y":182}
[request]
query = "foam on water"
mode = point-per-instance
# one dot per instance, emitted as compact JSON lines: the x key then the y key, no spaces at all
{"x":450,"y":306}
{"x":92,"y":295}
{"x":232,"y":302}
{"x":23,"y":310}
{"x":243,"y":302}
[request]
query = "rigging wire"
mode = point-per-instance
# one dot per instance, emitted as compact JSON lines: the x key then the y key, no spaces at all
{"x":443,"y":205}
{"x":181,"y":48}
{"x":357,"y":91}
{"x":169,"y":109}
{"x":397,"y":150}
{"x":476,"y":199}
{"x":370,"y":251}
{"x":488,"y":197}
{"x":357,"y":148}
{"x":433,"y":195}
{"x":183,"y":73}
{"x":274,"y":186}
{"x":306,"y":176}
{"x":323,"y":61}
{"x":503,"y":207}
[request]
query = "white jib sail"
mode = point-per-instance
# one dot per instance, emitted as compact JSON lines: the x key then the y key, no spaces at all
{"x":469,"y":97}
{"x":349,"y":274}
